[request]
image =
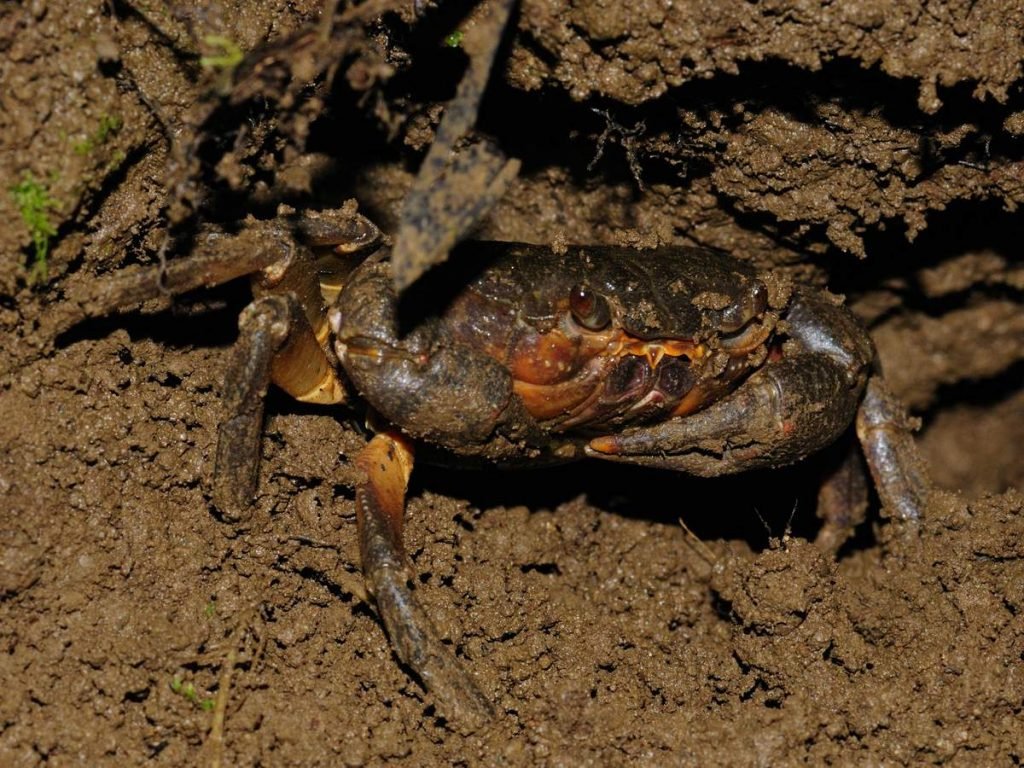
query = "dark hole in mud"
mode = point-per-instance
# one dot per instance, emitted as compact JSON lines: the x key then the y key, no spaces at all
{"x":973,"y":431}
{"x":755,"y":508}
{"x":958,"y":304}
{"x":463,"y":523}
{"x":964,"y":227}
{"x":545,"y":569}
{"x":137,"y":696}
{"x":325,"y":581}
{"x":984,"y":392}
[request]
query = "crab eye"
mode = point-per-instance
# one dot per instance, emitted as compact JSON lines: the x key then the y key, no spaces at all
{"x":589,"y":309}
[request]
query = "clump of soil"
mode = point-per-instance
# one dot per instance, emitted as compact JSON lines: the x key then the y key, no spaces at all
{"x":873,"y":149}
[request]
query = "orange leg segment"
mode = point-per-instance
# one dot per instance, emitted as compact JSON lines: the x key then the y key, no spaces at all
{"x":380,"y":507}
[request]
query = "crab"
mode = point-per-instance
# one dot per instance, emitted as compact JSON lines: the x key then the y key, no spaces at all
{"x":681,"y":358}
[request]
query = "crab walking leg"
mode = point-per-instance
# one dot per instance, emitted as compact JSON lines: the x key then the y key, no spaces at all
{"x":217,"y":259}
{"x":897,"y":467}
{"x":275,"y":343}
{"x":842,"y":499}
{"x":380,"y":507}
{"x":262,"y":329}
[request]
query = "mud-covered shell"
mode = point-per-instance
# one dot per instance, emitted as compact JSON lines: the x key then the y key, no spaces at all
{"x":484,"y":352}
{"x":667,"y":293}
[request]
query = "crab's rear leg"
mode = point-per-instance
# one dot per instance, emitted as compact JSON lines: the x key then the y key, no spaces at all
{"x":216,"y":259}
{"x":276,"y":343}
{"x":380,"y":507}
{"x":899,"y":471}
{"x":283,"y":333}
{"x":282,"y":339}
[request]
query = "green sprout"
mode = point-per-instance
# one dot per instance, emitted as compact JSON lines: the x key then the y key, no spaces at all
{"x":210,"y":610}
{"x":109,"y":125}
{"x":116,"y":160}
{"x":454,"y":39}
{"x":33,"y":200}
{"x":230,"y":55}
{"x":189,"y":692}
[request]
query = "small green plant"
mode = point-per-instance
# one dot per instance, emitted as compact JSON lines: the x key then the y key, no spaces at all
{"x":210,"y":610}
{"x":109,"y":125}
{"x":454,"y":39}
{"x":34,"y":201}
{"x":188,"y":691}
{"x":116,"y":159}
{"x":230,"y":55}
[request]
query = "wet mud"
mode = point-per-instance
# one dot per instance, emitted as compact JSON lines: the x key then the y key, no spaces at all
{"x":614,"y":615}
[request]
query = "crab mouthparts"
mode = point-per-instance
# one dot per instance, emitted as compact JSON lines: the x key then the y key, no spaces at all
{"x":655,"y":351}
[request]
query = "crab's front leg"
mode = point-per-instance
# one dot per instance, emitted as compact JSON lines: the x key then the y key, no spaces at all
{"x":790,"y":408}
{"x":380,"y":508}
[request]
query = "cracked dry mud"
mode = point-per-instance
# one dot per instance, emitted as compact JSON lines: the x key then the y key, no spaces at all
{"x":875,"y":147}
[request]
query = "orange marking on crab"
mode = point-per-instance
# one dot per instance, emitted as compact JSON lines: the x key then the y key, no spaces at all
{"x":554,"y":374}
{"x":655,"y":351}
{"x":546,"y":358}
{"x":387,"y":461}
{"x":607,"y":444}
{"x":697,"y":398}
{"x":552,"y":357}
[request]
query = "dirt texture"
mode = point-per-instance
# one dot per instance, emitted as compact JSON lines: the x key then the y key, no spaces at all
{"x":873,"y":147}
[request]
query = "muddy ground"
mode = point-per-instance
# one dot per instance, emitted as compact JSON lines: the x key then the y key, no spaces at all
{"x":875,"y":147}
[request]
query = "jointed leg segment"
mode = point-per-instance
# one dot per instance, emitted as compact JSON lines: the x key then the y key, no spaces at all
{"x":275,"y":343}
{"x":216,"y":259}
{"x":263,"y":328}
{"x":899,"y":471}
{"x":380,"y":507}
